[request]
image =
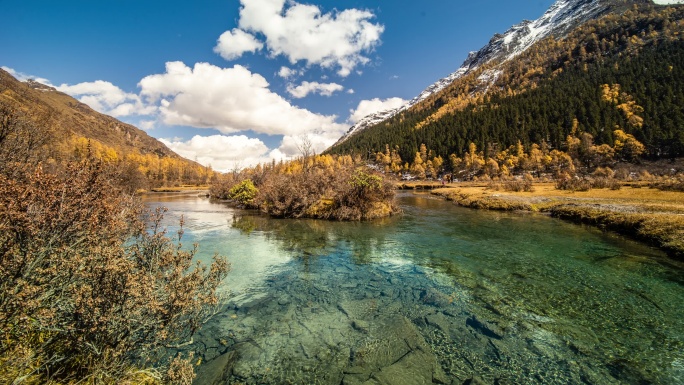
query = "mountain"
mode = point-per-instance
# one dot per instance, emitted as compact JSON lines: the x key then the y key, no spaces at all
{"x":71,"y":117}
{"x":72,"y":129}
{"x":543,"y":79}
{"x":558,"y":20}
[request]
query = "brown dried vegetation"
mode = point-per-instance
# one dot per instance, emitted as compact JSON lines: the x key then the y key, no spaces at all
{"x":321,"y":186}
{"x":88,"y":294}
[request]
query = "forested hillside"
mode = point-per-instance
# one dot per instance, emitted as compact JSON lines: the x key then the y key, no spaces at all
{"x":620,"y":72}
{"x":53,"y":128}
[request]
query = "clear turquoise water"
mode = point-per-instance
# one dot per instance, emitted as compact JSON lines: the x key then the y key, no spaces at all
{"x":438,"y":294}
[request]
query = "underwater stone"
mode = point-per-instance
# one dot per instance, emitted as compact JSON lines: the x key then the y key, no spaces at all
{"x":472,"y":381}
{"x":484,"y":328}
{"x":248,"y":363}
{"x":439,"y":321}
{"x":436,"y":298}
{"x":361,"y":326}
{"x":415,"y":368}
{"x":210,"y":354}
{"x":217,"y":370}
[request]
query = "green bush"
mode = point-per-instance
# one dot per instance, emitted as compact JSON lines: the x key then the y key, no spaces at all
{"x":244,"y":193}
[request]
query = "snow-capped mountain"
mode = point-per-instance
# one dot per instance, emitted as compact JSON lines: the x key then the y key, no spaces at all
{"x":558,"y":20}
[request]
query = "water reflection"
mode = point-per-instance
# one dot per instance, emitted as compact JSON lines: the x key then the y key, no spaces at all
{"x":306,"y":237}
{"x":252,"y":258}
{"x":440,"y":294}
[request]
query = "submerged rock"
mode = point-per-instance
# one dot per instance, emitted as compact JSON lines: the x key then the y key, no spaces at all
{"x":436,"y":298}
{"x":395,"y":353}
{"x":216,"y":371}
{"x":485,"y":328}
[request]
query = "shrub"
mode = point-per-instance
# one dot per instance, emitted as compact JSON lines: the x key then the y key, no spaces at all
{"x":290,"y":196}
{"x":87,"y":293}
{"x":675,"y":183}
{"x":364,"y":196}
{"x":566,"y":182}
{"x":603,"y":172}
{"x":244,"y":193}
{"x":343,"y":192}
{"x":220,"y":188}
{"x":518,"y":185}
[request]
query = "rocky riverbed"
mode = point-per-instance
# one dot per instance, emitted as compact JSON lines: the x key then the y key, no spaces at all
{"x":394,"y":324}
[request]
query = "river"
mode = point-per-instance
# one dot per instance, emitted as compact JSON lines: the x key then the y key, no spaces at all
{"x":438,"y":294}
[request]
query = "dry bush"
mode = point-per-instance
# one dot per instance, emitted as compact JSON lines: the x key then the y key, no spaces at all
{"x":220,"y":187}
{"x":603,"y":172}
{"x":572,"y":183}
{"x":343,"y":192}
{"x":364,"y":196}
{"x":675,"y":183}
{"x":517,"y":185}
{"x":87,"y":293}
{"x":622,"y":174}
{"x":291,"y":196}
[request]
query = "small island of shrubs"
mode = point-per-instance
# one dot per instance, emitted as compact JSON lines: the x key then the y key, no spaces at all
{"x":318,"y":186}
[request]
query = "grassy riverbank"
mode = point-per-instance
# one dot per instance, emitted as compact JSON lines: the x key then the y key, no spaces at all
{"x":644,"y":213}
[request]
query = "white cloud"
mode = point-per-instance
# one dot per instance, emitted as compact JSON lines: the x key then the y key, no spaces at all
{"x":302,"y":90}
{"x":286,"y":72}
{"x":319,"y":140}
{"x":232,"y":44}
{"x":24,"y":77}
{"x":107,"y":98}
{"x":147,"y":124}
{"x":222,"y":152}
{"x":367,"y":107}
{"x":302,"y":32}
{"x":228,"y":99}
{"x":350,"y":91}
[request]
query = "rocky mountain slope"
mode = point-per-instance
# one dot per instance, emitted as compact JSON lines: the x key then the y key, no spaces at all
{"x":558,"y":20}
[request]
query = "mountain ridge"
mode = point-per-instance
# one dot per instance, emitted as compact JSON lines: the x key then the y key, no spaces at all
{"x":560,"y":18}
{"x":554,"y":89}
{"x":78,"y":118}
{"x":72,"y":130}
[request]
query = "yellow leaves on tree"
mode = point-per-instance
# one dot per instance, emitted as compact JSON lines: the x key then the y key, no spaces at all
{"x":627,"y":146}
{"x":623,"y":102}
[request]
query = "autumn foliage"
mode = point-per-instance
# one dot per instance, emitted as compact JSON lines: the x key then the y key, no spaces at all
{"x":320,"y":186}
{"x":89,"y":293}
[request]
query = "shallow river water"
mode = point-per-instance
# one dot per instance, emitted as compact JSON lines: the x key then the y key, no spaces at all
{"x":439,"y":294}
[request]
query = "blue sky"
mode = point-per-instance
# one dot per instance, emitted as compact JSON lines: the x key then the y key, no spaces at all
{"x":234,"y":82}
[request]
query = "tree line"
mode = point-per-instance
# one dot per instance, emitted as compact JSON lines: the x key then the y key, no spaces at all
{"x":553,"y":88}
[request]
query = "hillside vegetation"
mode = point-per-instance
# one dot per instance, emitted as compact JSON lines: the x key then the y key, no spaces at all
{"x":619,"y":73}
{"x":92,"y":289}
{"x":72,"y":131}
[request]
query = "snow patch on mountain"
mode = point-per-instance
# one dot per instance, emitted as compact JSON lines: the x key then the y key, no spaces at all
{"x":558,"y":20}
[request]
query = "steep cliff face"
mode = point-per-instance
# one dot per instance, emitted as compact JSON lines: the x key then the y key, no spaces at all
{"x":558,"y":20}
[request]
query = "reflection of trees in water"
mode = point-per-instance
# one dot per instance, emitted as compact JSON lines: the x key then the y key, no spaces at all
{"x":307,"y":238}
